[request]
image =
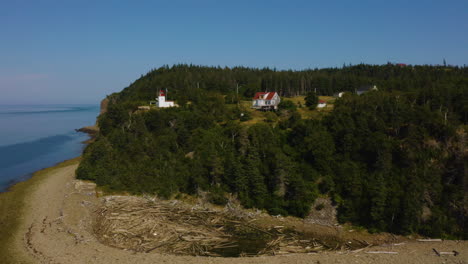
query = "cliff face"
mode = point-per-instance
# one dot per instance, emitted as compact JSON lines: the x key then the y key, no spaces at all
{"x":93,"y":130}
{"x":104,"y":104}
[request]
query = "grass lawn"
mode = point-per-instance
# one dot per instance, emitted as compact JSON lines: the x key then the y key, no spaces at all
{"x":257,"y":116}
{"x":306,"y":113}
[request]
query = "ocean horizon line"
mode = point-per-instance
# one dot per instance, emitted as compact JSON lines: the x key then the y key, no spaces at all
{"x":48,"y":109}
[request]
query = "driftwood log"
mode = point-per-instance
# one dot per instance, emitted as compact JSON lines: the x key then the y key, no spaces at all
{"x":450,"y":253}
{"x":152,"y":225}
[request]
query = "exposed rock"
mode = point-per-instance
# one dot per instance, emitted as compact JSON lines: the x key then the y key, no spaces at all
{"x":322,"y":212}
{"x":104,"y":104}
{"x":91,"y":130}
{"x":426,"y":213}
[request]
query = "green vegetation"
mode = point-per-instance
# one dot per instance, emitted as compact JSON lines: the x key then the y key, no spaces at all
{"x":311,"y":100}
{"x":392,"y":160}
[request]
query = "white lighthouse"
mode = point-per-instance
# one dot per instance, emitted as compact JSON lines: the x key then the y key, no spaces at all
{"x":162,"y":100}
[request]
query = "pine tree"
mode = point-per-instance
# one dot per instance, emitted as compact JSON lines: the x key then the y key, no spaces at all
{"x":257,"y":187}
{"x":311,"y":100}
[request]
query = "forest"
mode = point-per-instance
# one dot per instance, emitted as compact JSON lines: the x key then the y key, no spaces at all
{"x":391,"y":160}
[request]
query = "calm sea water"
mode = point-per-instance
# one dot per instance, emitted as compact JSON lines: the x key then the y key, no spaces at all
{"x":33,"y":137}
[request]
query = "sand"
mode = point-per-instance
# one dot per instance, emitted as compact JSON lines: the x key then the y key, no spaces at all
{"x":55,"y":227}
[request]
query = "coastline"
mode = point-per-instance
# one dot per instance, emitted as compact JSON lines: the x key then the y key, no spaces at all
{"x":13,"y":203}
{"x":48,"y":219}
{"x":13,"y":207}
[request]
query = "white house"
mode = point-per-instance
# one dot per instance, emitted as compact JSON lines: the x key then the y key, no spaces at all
{"x":162,"y":100}
{"x":339,"y":94}
{"x":321,"y":104}
{"x":266,"y":100}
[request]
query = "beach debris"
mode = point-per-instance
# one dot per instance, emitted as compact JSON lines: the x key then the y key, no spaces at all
{"x":361,"y":249}
{"x":151,"y":225}
{"x":430,"y":240}
{"x":451,"y":253}
{"x":381,"y":252}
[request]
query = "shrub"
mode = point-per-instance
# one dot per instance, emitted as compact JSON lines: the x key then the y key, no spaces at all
{"x":319,"y":206}
{"x":311,"y":100}
{"x":287,"y":105}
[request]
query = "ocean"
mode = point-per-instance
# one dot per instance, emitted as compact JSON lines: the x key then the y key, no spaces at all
{"x":33,"y":137}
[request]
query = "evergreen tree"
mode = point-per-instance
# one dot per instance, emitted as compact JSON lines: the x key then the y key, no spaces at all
{"x":257,"y":188}
{"x":311,"y":100}
{"x":386,"y":158}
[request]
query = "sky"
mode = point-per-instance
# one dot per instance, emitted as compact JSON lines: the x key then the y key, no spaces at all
{"x":75,"y":52}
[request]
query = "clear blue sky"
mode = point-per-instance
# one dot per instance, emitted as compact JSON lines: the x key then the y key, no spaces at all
{"x":79,"y":51}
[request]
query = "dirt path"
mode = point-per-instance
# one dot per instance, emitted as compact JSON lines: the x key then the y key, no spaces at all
{"x":56,"y":228}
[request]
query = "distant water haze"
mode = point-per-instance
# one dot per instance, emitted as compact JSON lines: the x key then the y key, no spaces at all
{"x":33,"y":137}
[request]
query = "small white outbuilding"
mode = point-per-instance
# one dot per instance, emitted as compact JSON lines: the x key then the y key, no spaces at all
{"x":321,"y":104}
{"x":339,"y":94}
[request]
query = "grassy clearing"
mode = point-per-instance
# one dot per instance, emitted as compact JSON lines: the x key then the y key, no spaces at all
{"x":257,"y":116}
{"x":299,"y":101}
{"x":306,"y":113}
{"x":12,"y":205}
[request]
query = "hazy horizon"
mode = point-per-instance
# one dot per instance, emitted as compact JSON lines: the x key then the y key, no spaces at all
{"x":57,"y":52}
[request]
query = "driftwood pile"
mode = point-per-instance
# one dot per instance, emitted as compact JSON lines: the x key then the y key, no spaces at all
{"x":153,"y":225}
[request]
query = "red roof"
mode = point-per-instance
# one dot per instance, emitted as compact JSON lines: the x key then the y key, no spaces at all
{"x":258,"y":95}
{"x":269,"y":95}
{"x":322,"y":102}
{"x":161,"y":93}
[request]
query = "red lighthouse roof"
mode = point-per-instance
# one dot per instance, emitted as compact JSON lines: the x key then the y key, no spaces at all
{"x":161,"y":93}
